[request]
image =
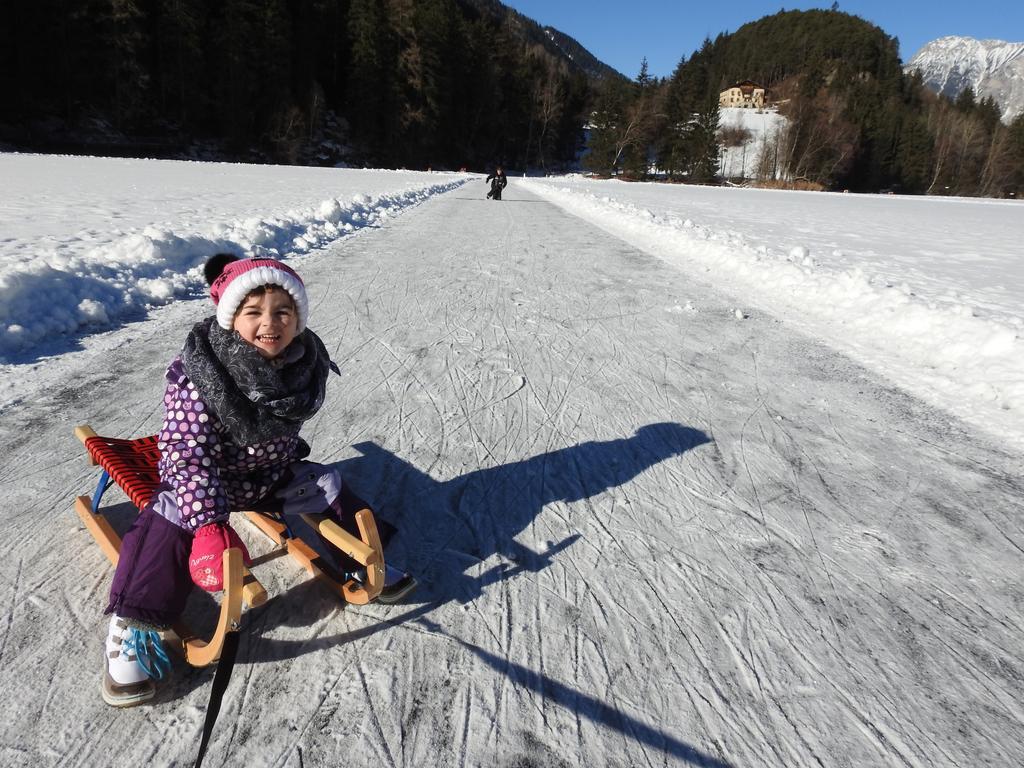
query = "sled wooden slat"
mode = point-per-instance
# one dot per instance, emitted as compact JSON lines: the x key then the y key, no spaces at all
{"x":83,"y":432}
{"x":299,"y":551}
{"x":199,"y":652}
{"x":253,"y":593}
{"x":375,"y":570}
{"x":367,"y":551}
{"x":367,"y":554}
{"x":100,"y":529}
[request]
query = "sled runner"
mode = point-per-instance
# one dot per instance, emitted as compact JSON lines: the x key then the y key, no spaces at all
{"x":132,"y":464}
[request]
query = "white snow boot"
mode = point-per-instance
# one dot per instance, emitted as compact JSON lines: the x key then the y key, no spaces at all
{"x":134,"y":661}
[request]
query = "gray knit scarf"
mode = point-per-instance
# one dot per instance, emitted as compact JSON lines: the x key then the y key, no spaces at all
{"x":256,"y":399}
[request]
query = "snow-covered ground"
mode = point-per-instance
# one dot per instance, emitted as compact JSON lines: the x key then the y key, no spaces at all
{"x":90,"y":241}
{"x":928,"y":291}
{"x":763,"y":126}
{"x":681,"y":473}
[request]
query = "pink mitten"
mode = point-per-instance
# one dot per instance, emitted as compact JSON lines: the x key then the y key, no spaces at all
{"x":206,"y":563}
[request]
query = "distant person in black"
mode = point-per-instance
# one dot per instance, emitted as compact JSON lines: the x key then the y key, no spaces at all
{"x":498,"y":181}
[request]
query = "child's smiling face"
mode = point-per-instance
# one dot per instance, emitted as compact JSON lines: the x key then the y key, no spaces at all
{"x":268,"y":321}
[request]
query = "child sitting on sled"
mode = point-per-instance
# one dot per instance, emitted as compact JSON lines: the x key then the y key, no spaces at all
{"x":246,"y":380}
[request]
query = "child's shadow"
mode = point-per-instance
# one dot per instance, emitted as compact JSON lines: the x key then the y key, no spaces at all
{"x":450,"y":528}
{"x":446,"y":527}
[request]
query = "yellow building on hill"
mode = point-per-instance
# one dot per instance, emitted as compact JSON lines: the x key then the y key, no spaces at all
{"x":745,"y":93}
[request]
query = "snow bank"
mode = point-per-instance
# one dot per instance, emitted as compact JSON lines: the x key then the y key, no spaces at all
{"x":970,"y":365}
{"x":60,"y":289}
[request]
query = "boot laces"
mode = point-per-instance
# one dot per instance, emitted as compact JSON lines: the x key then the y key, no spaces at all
{"x":149,"y":651}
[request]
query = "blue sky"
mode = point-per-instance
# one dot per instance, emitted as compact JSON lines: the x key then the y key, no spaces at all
{"x":621,"y":32}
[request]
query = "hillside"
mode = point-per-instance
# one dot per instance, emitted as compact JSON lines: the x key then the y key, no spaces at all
{"x":855,"y":120}
{"x":554,"y":41}
{"x":394,"y":83}
{"x":580,"y":56}
{"x":748,"y":137}
{"x":838,"y":45}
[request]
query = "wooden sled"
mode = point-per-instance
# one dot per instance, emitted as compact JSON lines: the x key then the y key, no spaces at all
{"x":132,"y":465}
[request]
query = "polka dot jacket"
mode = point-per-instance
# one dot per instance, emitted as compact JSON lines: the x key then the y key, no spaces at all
{"x":209,"y":473}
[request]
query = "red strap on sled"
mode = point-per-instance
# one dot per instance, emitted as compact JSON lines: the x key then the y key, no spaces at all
{"x":131,"y":464}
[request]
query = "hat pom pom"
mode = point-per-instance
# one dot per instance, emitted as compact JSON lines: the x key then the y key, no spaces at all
{"x":215,"y":265}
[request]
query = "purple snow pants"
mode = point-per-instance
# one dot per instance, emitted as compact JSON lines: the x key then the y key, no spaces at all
{"x":152,"y":582}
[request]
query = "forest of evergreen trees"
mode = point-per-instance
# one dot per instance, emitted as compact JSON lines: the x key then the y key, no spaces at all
{"x":391,"y":83}
{"x":468,"y":83}
{"x":855,"y":120}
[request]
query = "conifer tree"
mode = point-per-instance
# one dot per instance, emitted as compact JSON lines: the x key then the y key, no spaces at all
{"x":914,"y":155}
{"x":479,"y":96}
{"x":989,"y":112}
{"x":608,"y":129}
{"x":370,"y":79}
{"x":1015,"y":159}
{"x":965,"y":102}
{"x":236,"y":34}
{"x":670,"y":145}
{"x":440,"y":38}
{"x":703,"y":139}
{"x":130,"y":78}
{"x":179,"y":59}
{"x":640,"y":117}
{"x":549,"y":101}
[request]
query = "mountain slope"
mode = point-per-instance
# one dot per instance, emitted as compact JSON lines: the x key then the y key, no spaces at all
{"x":991,"y":67}
{"x":593,"y":67}
{"x":552,"y":40}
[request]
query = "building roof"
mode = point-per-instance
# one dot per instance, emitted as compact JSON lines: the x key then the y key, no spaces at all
{"x":748,"y":84}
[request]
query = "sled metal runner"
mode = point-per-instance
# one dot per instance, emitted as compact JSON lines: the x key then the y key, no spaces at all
{"x":131,"y":463}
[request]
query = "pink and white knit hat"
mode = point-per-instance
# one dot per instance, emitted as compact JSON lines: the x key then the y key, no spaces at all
{"x":239,"y":277}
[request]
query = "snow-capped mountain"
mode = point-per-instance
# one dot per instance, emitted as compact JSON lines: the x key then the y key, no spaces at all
{"x":991,"y":67}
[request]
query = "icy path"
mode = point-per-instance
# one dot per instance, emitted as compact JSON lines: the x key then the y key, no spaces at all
{"x":651,"y":533}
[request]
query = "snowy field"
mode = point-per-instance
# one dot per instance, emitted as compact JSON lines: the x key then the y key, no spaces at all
{"x":690,"y":476}
{"x":89,"y":241}
{"x":928,"y":291}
